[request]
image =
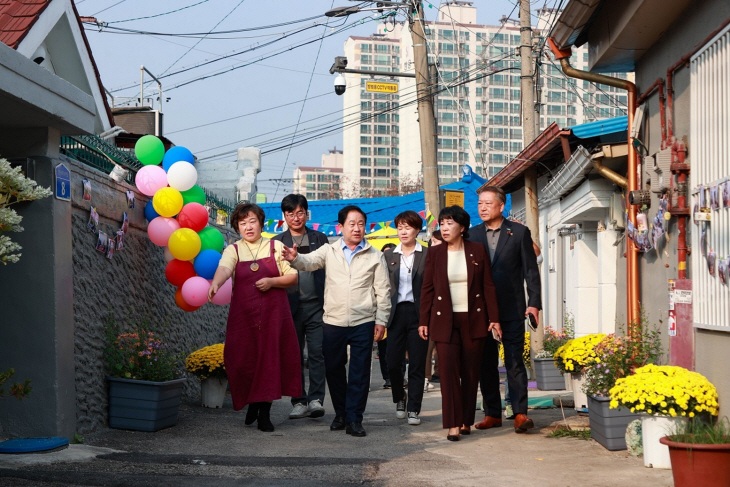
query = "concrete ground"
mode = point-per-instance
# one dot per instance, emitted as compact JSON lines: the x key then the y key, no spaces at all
{"x":213,"y":447}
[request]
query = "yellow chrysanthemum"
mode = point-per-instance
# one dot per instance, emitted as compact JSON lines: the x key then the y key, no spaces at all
{"x":206,"y":362}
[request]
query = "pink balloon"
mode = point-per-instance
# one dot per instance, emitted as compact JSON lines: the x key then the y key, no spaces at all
{"x":160,"y":229}
{"x":150,"y":179}
{"x":223,"y":296}
{"x":195,"y":291}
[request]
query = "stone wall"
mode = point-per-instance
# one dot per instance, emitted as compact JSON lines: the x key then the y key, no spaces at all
{"x":129,"y":288}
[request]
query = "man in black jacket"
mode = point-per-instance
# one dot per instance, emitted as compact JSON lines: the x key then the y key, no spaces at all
{"x":306,"y":300}
{"x":514,"y":265}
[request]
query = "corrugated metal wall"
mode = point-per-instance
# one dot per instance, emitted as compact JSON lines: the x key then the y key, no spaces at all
{"x":709,"y":155}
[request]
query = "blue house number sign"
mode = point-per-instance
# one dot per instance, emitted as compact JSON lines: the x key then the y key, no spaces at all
{"x":63,"y":183}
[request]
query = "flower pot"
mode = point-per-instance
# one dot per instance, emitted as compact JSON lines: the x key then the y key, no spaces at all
{"x":142,"y":405}
{"x":608,"y":426}
{"x":699,"y":464}
{"x":654,"y":428}
{"x":568,"y":382}
{"x":579,"y":397}
{"x":213,"y":391}
{"x":548,"y":377}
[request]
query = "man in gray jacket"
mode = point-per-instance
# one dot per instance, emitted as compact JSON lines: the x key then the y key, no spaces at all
{"x":306,"y":299}
{"x":356,"y":311}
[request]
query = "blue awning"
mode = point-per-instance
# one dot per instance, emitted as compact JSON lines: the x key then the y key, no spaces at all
{"x":601,"y":127}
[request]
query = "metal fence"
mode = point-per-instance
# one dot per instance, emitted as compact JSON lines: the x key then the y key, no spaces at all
{"x":100,"y":154}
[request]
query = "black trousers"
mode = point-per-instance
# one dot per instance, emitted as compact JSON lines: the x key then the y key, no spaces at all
{"x":402,"y":336}
{"x":348,"y":389}
{"x":513,"y":338}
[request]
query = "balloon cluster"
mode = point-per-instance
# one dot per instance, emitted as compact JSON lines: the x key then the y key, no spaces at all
{"x":178,"y":221}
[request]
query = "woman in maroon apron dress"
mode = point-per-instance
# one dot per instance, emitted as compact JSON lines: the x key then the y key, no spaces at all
{"x":261,"y":351}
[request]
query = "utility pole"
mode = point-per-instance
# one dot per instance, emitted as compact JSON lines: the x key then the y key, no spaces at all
{"x":527,"y":89}
{"x":426,"y":121}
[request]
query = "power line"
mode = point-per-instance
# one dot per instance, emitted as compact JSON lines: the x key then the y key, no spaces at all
{"x":301,"y":111}
{"x":105,"y":9}
{"x":158,"y":15}
{"x":201,"y":39}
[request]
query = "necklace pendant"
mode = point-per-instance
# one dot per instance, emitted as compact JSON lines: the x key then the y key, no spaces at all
{"x":409,"y":271}
{"x":254,"y":266}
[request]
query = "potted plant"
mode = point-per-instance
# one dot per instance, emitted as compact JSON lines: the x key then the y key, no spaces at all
{"x":700,"y":453}
{"x":616,"y":357}
{"x":547,"y":375}
{"x":665,"y":395}
{"x":574,"y":358}
{"x":145,"y":387}
{"x":207,"y":364}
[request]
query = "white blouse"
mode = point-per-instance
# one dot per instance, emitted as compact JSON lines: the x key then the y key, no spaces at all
{"x":458,"y":285}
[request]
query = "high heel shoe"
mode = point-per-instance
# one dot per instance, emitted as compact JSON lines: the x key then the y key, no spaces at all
{"x":452,"y":437}
{"x":465,"y":430}
{"x":252,"y":414}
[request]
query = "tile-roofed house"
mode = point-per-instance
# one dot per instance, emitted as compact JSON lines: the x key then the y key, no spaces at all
{"x":17,"y":17}
{"x":47,"y":31}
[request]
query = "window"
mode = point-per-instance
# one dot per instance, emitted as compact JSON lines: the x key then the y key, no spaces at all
{"x":382,"y":48}
{"x":365,"y":140}
{"x":364,"y":161}
{"x":366,"y":59}
{"x":365,"y":129}
{"x":366,"y":48}
{"x":365,"y":151}
{"x":365,"y":172}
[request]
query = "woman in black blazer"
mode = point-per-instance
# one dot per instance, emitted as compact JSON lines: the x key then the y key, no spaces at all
{"x":405,"y":268}
{"x":458,"y":310}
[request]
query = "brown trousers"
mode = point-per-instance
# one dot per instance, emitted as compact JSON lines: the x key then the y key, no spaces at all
{"x":460,"y":363}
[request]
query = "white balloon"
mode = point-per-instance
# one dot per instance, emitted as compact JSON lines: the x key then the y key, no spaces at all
{"x":168,"y":255}
{"x":182,"y":176}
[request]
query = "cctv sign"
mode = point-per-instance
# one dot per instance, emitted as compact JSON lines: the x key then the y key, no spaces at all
{"x":381,"y":87}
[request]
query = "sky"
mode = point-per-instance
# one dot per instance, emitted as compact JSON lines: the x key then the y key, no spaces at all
{"x":233,"y":105}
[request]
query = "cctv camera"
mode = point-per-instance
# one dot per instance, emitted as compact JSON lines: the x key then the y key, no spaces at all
{"x":340,"y":85}
{"x":39,"y":55}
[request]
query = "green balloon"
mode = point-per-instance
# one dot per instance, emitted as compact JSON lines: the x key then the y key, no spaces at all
{"x":193,"y":195}
{"x":211,"y":238}
{"x":149,"y":150}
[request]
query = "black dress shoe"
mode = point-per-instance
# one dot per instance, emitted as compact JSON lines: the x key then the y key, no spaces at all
{"x":387,"y":384}
{"x":338,"y":424}
{"x":356,"y":429}
{"x":452,"y":437}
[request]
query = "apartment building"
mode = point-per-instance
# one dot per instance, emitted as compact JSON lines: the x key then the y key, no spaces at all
{"x":478,"y":102}
{"x":320,"y":183}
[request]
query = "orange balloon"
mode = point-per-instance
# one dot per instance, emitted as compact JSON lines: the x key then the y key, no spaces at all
{"x":181,"y":302}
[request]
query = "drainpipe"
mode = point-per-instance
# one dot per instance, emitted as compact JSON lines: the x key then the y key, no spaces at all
{"x":632,"y":263}
{"x":612,"y":176}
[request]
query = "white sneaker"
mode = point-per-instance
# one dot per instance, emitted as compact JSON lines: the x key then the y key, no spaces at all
{"x":427,"y":386}
{"x":299,"y":411}
{"x":400,"y":409}
{"x":315,"y":409}
{"x":413,"y":419}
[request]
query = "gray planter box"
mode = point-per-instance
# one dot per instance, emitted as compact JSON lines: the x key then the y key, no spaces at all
{"x":142,"y":405}
{"x":548,"y":377}
{"x":608,"y":426}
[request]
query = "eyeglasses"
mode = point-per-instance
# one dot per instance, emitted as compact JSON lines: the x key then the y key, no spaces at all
{"x":299,"y":214}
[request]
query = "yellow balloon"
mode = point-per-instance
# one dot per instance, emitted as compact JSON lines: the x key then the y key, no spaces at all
{"x":167,"y":202}
{"x":184,"y":244}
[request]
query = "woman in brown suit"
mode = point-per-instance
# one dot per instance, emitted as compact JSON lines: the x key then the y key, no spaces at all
{"x":458,"y":310}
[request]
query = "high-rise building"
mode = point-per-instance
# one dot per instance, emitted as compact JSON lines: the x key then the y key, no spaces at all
{"x":320,"y":183}
{"x":477,"y":105}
